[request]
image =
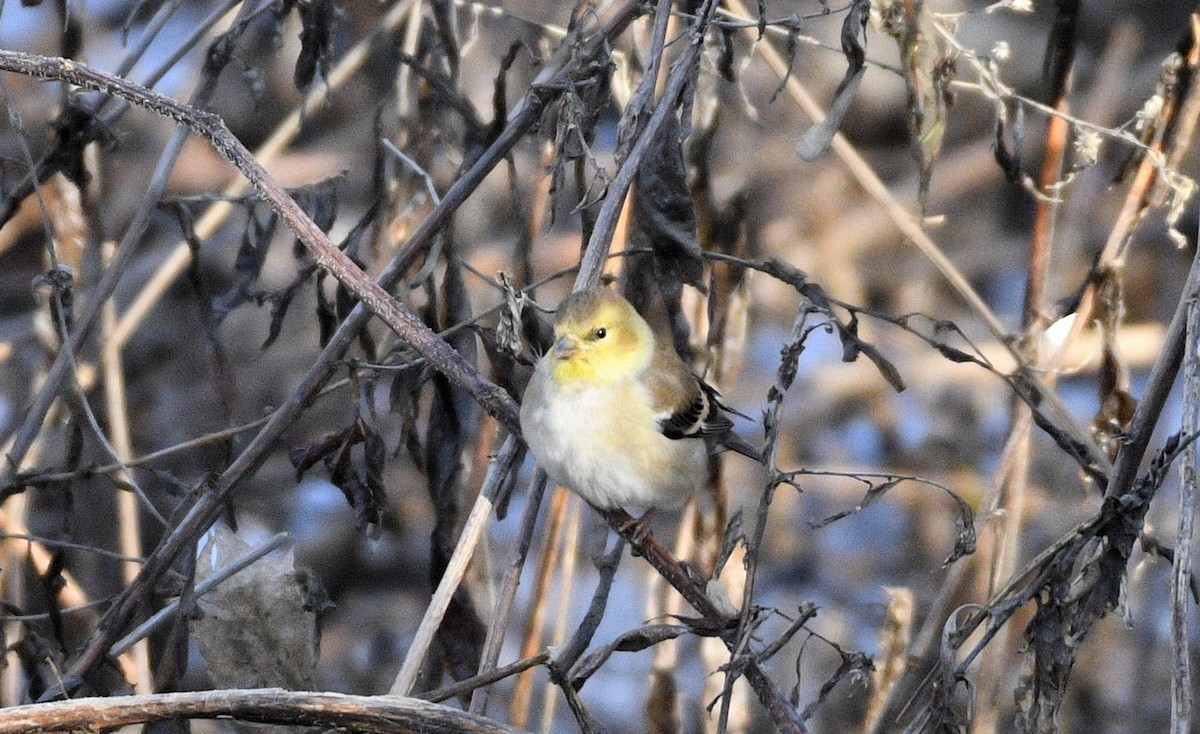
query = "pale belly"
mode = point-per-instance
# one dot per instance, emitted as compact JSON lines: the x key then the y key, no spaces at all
{"x":568,"y":441}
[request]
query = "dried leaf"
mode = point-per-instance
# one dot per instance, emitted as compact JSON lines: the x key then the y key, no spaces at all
{"x":251,"y":254}
{"x":304,"y":459}
{"x":363,"y":489}
{"x":874,"y":492}
{"x":279,"y":302}
{"x":852,"y":346}
{"x":452,"y":422}
{"x":1060,"y":49}
{"x":663,"y":210}
{"x":734,"y":535}
{"x":815,"y":141}
{"x":1008,"y":154}
{"x":41,"y":660}
{"x":634,"y":640}
{"x":855,"y":666}
{"x":664,"y":220}
{"x":1117,"y":403}
{"x":928,"y":70}
{"x":317,"y":19}
{"x":258,"y":629}
{"x":403,"y":395}
{"x":52,"y":582}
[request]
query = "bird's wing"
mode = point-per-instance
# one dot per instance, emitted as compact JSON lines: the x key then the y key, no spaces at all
{"x":682,"y":406}
{"x":688,"y":407}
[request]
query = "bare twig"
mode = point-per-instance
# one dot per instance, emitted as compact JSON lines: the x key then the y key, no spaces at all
{"x":519,"y":702}
{"x":606,"y":566}
{"x":486,"y":679}
{"x":129,"y":526}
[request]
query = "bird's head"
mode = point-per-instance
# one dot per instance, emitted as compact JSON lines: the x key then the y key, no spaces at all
{"x":599,"y":337}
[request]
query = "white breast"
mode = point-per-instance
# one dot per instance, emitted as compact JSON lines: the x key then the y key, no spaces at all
{"x":574,"y":438}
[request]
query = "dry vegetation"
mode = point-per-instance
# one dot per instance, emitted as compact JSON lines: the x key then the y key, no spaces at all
{"x":275,"y":272}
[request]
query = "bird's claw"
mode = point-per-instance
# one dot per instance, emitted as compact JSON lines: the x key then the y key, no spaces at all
{"x":637,"y":529}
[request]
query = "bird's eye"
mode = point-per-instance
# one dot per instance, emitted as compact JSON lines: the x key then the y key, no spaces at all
{"x":601,"y":332}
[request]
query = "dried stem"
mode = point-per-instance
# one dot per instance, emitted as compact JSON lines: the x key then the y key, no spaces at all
{"x":520,"y":705}
{"x":128,"y":521}
{"x":573,"y":506}
{"x":476,"y":525}
{"x":1181,"y":672}
{"x":508,"y":588}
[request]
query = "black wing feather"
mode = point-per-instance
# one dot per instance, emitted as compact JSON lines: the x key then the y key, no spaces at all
{"x":702,"y":417}
{"x":705,"y":418}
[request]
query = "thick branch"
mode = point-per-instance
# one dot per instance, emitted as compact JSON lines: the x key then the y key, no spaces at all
{"x":370,"y":714}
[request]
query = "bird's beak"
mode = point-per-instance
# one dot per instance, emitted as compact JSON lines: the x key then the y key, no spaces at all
{"x":567,"y":347}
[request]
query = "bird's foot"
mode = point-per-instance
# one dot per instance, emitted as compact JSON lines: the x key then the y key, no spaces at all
{"x":638,"y":529}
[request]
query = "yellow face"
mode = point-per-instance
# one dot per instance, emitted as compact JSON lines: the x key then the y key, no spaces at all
{"x":599,"y":337}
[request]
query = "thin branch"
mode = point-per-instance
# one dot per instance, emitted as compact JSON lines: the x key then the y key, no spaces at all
{"x":37,"y":479}
{"x":482,"y":680}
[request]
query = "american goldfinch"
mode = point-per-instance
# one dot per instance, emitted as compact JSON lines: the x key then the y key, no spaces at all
{"x":613,"y":414}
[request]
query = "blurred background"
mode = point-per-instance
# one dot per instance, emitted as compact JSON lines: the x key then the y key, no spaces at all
{"x":215,"y":322}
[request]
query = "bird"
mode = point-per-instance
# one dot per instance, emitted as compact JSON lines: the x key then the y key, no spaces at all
{"x":613,"y":413}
